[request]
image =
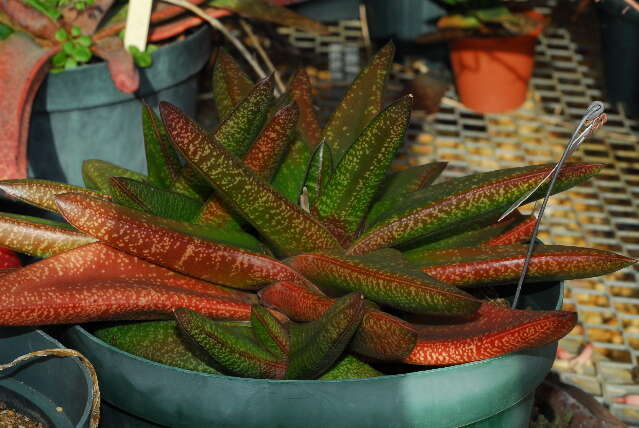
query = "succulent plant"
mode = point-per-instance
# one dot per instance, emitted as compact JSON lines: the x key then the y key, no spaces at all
{"x":281,"y":249}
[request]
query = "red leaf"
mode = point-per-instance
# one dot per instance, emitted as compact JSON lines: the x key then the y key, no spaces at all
{"x":518,"y":234}
{"x":491,"y":332}
{"x":35,"y":22}
{"x":120,"y":62}
{"x":8,"y":259}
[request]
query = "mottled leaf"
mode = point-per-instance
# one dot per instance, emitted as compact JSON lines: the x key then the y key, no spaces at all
{"x":157,"y":241}
{"x":266,"y":11}
{"x":315,"y":346}
{"x":190,"y":183}
{"x":283,"y":224}
{"x":350,"y":367}
{"x":230,"y":84}
{"x":319,"y":172}
{"x":384,"y":277}
{"x":459,"y":202}
{"x":499,"y":264}
{"x":492,"y":332}
{"x":346,"y":198}
{"x":154,"y":200}
{"x":163,"y":163}
{"x":270,"y":331}
{"x":234,"y":348}
{"x":289,"y":178}
{"x":158,"y":341}
{"x":97,"y":283}
{"x":41,"y":193}
{"x":520,"y":232}
{"x":38,"y":237}
{"x":302,"y":92}
{"x":97,"y":174}
{"x":362,"y":102}
{"x":8,"y":261}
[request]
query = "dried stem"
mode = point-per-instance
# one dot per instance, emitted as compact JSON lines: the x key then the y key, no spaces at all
{"x":260,"y":50}
{"x":57,"y":352}
{"x":215,"y":23}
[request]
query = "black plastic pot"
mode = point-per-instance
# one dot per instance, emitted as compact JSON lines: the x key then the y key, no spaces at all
{"x":491,"y":393}
{"x":55,"y":391}
{"x":620,"y":38}
{"x":79,"y":114}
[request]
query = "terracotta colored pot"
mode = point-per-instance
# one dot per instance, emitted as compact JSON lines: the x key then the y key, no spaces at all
{"x":492,"y":74}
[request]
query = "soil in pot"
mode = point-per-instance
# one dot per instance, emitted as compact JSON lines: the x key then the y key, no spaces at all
{"x":492,"y":73}
{"x":10,"y":418}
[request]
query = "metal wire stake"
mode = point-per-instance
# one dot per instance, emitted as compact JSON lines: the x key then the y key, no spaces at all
{"x":595,"y":118}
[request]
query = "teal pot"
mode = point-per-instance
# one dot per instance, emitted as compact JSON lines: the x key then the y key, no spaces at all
{"x":55,"y":391}
{"x":491,"y":393}
{"x":79,"y":114}
{"x":328,"y":10}
{"x":402,"y":20}
{"x":619,"y":39}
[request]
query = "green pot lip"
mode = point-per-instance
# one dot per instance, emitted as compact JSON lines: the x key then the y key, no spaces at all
{"x":427,"y":372}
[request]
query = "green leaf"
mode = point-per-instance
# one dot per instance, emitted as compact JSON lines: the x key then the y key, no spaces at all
{"x":190,"y":183}
{"x":5,"y":31}
{"x":384,"y":277}
{"x":230,"y":84}
{"x":44,"y":7}
{"x":270,"y":331}
{"x":351,"y":189}
{"x":176,"y":245}
{"x":143,"y":59}
{"x":501,"y":264}
{"x":41,"y":193}
{"x":97,"y":174}
{"x":59,"y":59}
{"x":158,"y":341}
{"x":234,"y":348}
{"x":320,"y":170}
{"x":82,"y":54}
{"x":153,"y":200}
{"x":70,"y":63}
{"x":68,"y":47}
{"x":362,"y":102}
{"x":84,"y":41}
{"x":61,"y":35}
{"x":286,"y":226}
{"x":163,"y":163}
{"x":315,"y":346}
{"x":76,"y":31}
{"x":398,"y":184}
{"x":38,"y":237}
{"x":238,"y":131}
{"x":265,"y":11}
{"x":289,"y":178}
{"x":457,"y":203}
{"x":350,"y":367}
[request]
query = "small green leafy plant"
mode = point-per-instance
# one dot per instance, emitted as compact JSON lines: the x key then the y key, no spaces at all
{"x":275,"y":248}
{"x":76,"y":49}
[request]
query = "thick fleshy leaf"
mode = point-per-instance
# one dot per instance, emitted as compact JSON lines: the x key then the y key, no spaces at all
{"x":475,"y":234}
{"x":158,"y":341}
{"x":8,"y":261}
{"x":96,"y":282}
{"x":362,"y":102}
{"x":234,"y":348}
{"x":122,"y":69}
{"x":492,"y":332}
{"x":39,"y":237}
{"x":190,"y":183}
{"x":270,"y":331}
{"x":499,"y":264}
{"x":157,"y":241}
{"x":163,"y":163}
{"x":34,"y":21}
{"x":350,"y":367}
{"x":380,"y":335}
{"x":230,"y":84}
{"x":266,"y":11}
{"x":285,"y":225}
{"x":346,"y":198}
{"x":154,"y":200}
{"x":518,"y":233}
{"x":384,"y":277}
{"x":315,"y":346}
{"x":463,"y":201}
{"x":398,"y":184}
{"x":20,"y":79}
{"x":289,"y":178}
{"x":41,"y":193}
{"x":266,"y":152}
{"x":302,"y":92}
{"x":97,"y":174}
{"x":238,"y":131}
{"x":320,"y":170}
{"x":88,"y":18}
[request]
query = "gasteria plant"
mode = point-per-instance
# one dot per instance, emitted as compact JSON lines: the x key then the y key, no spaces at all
{"x":281,"y":249}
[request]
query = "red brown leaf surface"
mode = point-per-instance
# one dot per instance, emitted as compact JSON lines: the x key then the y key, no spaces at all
{"x":35,"y":22}
{"x":120,"y":63}
{"x":8,"y":259}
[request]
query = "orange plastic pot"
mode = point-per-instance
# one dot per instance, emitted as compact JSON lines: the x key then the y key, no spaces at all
{"x":492,"y":74}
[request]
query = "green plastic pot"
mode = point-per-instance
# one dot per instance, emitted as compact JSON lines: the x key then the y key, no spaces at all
{"x":79,"y":114}
{"x":491,"y":393}
{"x":55,"y":391}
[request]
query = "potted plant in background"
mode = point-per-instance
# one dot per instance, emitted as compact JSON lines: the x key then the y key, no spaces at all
{"x":295,"y":255}
{"x":68,"y":110}
{"x":491,"y":52}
